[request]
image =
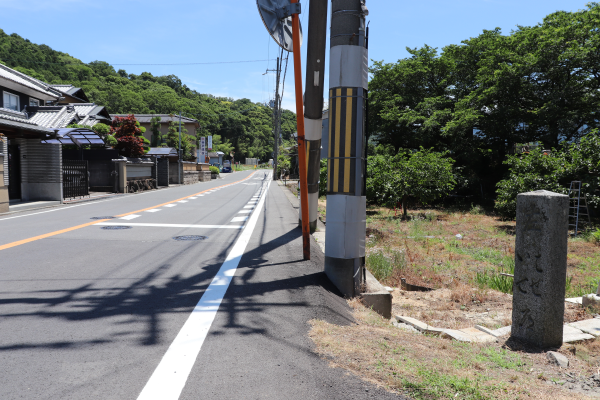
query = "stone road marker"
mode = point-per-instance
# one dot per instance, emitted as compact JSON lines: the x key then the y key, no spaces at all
{"x":540,"y":268}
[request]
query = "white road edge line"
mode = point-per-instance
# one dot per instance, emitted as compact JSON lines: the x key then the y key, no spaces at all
{"x":169,"y":225}
{"x":171,"y":374}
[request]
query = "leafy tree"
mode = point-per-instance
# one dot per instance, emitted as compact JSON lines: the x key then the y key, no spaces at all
{"x":424,"y":175}
{"x":554,"y":172}
{"x":157,"y":138}
{"x":127,"y":132}
{"x":188,"y":143}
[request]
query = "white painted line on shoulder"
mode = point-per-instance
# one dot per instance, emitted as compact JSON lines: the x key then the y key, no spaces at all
{"x":171,"y":374}
{"x":239,"y":219}
{"x":153,"y":210}
{"x":170,"y":225}
{"x":192,"y":198}
{"x":182,"y":201}
{"x":129,"y":217}
{"x":249,"y":206}
{"x":171,"y":205}
{"x":244,"y":211}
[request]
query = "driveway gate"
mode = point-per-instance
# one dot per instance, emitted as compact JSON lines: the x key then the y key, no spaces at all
{"x":75,"y":178}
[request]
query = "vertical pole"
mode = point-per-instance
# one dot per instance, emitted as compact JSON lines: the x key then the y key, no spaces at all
{"x":275,"y":122}
{"x":301,"y":139}
{"x":346,"y":197}
{"x":180,"y":158}
{"x":313,"y":110}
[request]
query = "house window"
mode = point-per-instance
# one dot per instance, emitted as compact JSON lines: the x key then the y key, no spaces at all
{"x":11,"y":101}
{"x":34,"y":102}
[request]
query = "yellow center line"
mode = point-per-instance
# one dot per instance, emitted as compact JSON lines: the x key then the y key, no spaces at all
{"x":46,"y":235}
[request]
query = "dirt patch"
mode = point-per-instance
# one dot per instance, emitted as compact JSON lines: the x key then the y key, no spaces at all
{"x":430,"y":367}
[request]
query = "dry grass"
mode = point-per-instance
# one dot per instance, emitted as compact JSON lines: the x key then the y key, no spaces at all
{"x":435,"y":258}
{"x":429,"y":367}
{"x":425,"y":252}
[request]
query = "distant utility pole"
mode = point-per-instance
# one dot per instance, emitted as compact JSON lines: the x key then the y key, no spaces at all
{"x":276,"y":118}
{"x":180,"y":158}
{"x":346,"y":197}
{"x":313,"y":102}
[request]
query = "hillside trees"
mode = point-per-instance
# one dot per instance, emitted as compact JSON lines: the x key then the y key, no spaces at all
{"x":245,"y":125}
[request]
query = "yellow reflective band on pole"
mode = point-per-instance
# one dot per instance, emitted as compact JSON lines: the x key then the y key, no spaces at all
{"x":336,"y":162}
{"x":329,"y":164}
{"x":349,"y":140}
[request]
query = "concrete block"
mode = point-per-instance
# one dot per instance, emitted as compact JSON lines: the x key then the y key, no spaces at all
{"x":591,"y":326}
{"x":540,"y":268}
{"x":590,"y":300}
{"x":376,"y":296}
{"x":557,"y":359}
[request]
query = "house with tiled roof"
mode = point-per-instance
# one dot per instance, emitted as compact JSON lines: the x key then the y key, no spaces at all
{"x":31,"y":170}
{"x":191,"y":125}
{"x":62,"y":115}
{"x":70,"y":94}
{"x":31,"y":113}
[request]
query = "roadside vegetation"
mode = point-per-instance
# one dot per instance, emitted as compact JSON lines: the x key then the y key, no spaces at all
{"x":454,"y":137}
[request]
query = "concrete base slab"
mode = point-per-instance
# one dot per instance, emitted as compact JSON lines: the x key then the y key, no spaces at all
{"x":504,"y":331}
{"x":420,"y":326}
{"x":404,"y":327}
{"x":478,"y":335}
{"x":591,"y":326}
{"x":571,"y":334}
{"x":574,"y":300}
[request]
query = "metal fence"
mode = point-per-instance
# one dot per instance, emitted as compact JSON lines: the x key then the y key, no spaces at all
{"x":75,"y":178}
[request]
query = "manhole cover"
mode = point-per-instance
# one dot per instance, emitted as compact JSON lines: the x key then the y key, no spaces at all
{"x":102,"y":217}
{"x":115,"y":227}
{"x":190,"y":237}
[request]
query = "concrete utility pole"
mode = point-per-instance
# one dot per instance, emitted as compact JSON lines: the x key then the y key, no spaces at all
{"x":346,"y":197}
{"x":313,"y":102}
{"x":276,"y":123}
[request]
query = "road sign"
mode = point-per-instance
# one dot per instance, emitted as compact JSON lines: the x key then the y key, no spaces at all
{"x":209,"y":143}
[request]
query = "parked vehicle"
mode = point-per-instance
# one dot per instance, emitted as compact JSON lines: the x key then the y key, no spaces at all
{"x":226,"y":166}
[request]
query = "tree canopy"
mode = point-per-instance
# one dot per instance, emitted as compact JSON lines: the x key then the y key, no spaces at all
{"x":480,"y":98}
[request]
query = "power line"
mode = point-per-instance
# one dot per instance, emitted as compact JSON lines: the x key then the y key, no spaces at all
{"x":142,"y":64}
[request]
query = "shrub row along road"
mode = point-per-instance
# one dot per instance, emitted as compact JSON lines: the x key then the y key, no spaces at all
{"x":116,"y":308}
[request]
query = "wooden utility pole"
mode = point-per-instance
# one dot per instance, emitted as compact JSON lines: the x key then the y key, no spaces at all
{"x":301,"y":137}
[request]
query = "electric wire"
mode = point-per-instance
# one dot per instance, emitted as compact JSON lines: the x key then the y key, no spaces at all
{"x":138,"y":64}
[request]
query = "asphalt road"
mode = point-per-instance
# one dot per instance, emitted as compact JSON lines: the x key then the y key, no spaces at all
{"x":88,"y":311}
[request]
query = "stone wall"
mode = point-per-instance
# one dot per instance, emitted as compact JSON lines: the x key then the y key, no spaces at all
{"x":204,"y":176}
{"x":190,"y":177}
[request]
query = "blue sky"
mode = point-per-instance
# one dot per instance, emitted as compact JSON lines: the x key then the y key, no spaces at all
{"x":176,"y":31}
